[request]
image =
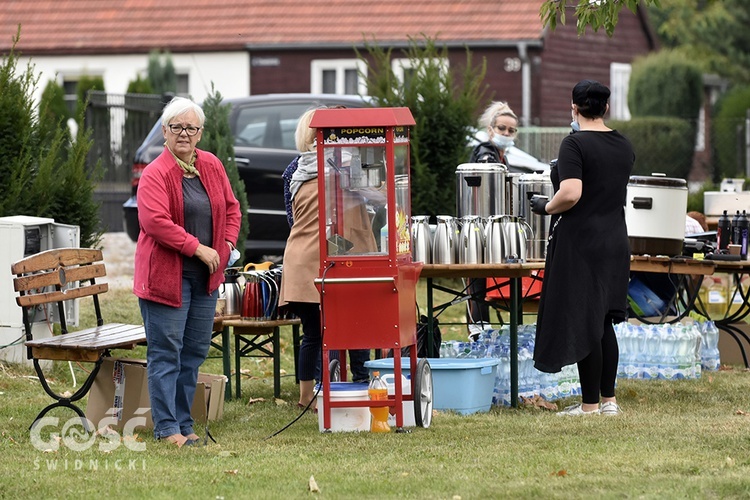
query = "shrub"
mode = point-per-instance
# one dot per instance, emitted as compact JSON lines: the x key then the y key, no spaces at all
{"x":661,"y":144}
{"x":161,"y":74}
{"x":53,"y":112}
{"x":729,"y":132}
{"x":665,"y":84}
{"x":444,"y":107}
{"x":140,"y":86}
{"x":43,"y":175}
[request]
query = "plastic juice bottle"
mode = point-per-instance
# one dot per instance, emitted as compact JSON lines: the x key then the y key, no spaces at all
{"x":378,"y":391}
{"x":717,"y":299}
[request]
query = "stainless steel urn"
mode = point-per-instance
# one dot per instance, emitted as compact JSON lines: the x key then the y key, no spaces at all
{"x":528,"y":186}
{"x":480,"y":189}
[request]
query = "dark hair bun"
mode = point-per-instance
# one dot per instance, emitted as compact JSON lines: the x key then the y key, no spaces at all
{"x":591,"y":98}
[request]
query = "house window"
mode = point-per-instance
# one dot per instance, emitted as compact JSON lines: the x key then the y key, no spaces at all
{"x":405,"y":70}
{"x":619,"y":79}
{"x":183,"y":84}
{"x":338,"y":76}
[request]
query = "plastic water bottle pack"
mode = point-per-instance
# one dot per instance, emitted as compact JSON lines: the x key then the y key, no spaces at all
{"x":669,"y":352}
{"x":531,"y":382}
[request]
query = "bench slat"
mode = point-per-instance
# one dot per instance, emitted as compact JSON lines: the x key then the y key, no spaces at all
{"x":73,"y":293}
{"x":58,"y":257}
{"x":109,"y":336}
{"x":53,"y":277}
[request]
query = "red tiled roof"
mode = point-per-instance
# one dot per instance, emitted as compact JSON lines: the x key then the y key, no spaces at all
{"x":133,"y":26}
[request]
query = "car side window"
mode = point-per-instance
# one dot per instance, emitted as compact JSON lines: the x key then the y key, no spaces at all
{"x":268,"y":126}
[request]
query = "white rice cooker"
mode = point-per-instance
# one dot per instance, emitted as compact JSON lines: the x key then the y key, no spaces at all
{"x":655,"y":214}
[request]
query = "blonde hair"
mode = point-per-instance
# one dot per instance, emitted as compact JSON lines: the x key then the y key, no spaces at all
{"x":495,"y":109}
{"x":304,"y":136}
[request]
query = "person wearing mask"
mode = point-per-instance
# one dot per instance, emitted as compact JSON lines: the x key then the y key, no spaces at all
{"x":501,"y":124}
{"x":587,"y":268}
{"x":190,"y":222}
{"x":302,"y":259}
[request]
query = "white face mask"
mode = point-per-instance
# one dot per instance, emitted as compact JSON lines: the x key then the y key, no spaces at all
{"x":575,"y":126}
{"x":502,"y":141}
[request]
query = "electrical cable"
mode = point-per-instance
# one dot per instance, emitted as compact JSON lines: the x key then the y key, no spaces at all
{"x":322,"y":333}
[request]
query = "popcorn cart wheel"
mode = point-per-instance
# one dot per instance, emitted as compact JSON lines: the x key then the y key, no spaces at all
{"x":423,"y":394}
{"x":334,"y":368}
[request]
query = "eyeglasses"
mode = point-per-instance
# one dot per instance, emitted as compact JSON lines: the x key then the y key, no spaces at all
{"x":177,"y":129}
{"x":503,"y":128}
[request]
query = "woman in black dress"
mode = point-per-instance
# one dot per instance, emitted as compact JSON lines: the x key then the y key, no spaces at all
{"x":588,"y":256}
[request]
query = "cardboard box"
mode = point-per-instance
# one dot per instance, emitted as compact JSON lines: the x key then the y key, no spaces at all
{"x":120,"y":393}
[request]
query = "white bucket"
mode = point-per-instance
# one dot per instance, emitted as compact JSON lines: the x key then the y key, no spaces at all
{"x":407,"y":407}
{"x":354,"y":419}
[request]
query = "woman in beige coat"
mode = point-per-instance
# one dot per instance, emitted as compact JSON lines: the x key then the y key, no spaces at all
{"x":302,"y":257}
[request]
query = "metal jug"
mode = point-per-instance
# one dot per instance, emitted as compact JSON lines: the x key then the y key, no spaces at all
{"x":471,"y":240}
{"x":506,"y":239}
{"x":231,"y":292}
{"x":421,"y":242}
{"x":252,"y":297}
{"x":444,"y":245}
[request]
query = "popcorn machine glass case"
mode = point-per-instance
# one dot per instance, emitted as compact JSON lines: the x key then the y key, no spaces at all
{"x":367,"y":278}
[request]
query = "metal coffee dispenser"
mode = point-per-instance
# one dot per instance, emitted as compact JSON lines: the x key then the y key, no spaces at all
{"x":480,"y":189}
{"x":528,"y":186}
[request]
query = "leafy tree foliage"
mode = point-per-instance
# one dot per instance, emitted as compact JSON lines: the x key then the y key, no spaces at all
{"x":444,"y":102}
{"x":595,"y":13}
{"x":217,"y":138}
{"x":662,"y":144}
{"x":665,"y":84}
{"x":43,"y":174}
{"x":711,"y":33}
{"x":729,"y":124}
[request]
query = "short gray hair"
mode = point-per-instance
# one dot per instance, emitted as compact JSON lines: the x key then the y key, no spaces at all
{"x":178,"y":106}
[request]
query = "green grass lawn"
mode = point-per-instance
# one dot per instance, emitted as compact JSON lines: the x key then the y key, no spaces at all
{"x":675,"y":439}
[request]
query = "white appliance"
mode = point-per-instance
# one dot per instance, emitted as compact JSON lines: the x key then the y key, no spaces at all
{"x":22,"y":236}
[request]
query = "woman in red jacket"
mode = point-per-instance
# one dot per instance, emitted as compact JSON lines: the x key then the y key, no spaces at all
{"x":190,"y":221}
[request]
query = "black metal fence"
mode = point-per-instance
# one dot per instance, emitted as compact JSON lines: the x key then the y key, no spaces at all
{"x":119,"y":123}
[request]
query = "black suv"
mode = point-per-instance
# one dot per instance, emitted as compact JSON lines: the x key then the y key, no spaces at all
{"x":263,"y":127}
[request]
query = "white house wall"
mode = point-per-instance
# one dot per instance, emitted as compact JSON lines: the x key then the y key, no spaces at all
{"x":229,"y":71}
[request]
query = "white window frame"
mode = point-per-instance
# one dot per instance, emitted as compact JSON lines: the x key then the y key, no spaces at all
{"x":619,"y":85}
{"x":340,"y":66}
{"x":400,"y":64}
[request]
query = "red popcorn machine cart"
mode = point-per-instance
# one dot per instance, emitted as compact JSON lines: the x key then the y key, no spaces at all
{"x":367,"y":279}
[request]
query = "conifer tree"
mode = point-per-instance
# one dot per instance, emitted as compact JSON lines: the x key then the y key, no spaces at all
{"x":217,"y":138}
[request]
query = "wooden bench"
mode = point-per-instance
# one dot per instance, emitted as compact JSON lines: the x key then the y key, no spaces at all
{"x":50,"y":278}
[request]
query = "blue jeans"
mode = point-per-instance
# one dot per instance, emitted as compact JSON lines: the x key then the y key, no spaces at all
{"x":178,"y":341}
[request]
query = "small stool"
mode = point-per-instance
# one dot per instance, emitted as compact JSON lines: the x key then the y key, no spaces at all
{"x":252,"y":339}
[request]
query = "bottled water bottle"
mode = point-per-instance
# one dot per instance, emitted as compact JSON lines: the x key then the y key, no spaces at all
{"x":502,"y":382}
{"x":620,"y":333}
{"x":710,"y":356}
{"x":669,"y":349}
{"x":685,"y":353}
{"x":653,"y":352}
